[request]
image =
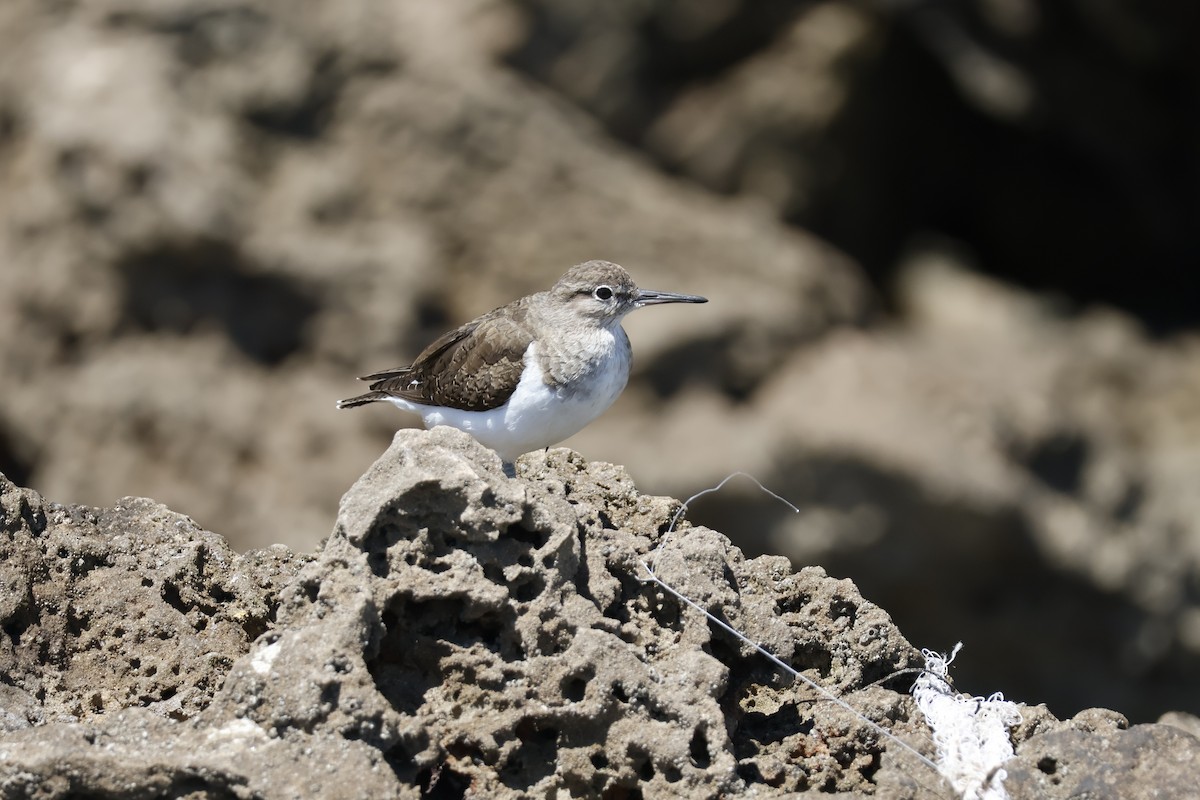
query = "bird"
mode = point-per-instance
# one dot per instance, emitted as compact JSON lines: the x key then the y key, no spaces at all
{"x":529,"y":374}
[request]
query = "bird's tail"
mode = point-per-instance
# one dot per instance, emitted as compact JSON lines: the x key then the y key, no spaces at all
{"x":362,"y":399}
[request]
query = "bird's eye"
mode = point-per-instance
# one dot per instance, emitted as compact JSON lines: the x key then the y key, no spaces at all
{"x":603,"y":293}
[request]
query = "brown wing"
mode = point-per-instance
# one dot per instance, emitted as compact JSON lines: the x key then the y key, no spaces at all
{"x":473,"y":368}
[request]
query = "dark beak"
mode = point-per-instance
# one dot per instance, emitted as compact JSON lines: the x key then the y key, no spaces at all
{"x":645,"y":297}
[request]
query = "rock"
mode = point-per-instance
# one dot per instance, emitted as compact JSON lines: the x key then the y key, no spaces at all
{"x":137,"y":753}
{"x":129,"y":606}
{"x":1145,"y":761}
{"x":464,"y":633}
{"x":494,"y":633}
{"x":1188,"y":723}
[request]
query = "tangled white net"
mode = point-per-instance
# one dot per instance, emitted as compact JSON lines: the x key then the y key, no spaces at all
{"x":970,"y":733}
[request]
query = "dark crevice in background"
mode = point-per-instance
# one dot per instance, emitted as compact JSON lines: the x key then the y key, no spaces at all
{"x":307,"y":116}
{"x":1041,"y":204}
{"x":666,"y":61}
{"x":15,"y":467}
{"x":699,"y":361}
{"x":178,"y":289}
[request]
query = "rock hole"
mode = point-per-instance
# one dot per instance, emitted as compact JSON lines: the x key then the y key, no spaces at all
{"x":219,"y":594}
{"x":494,"y":633}
{"x":792,"y":603}
{"x":749,"y":772}
{"x":15,"y":629}
{"x":399,"y":754}
{"x":574,"y":687}
{"x":529,"y":589}
{"x":812,"y":656}
{"x":666,"y":613}
{"x":642,"y":764}
{"x":311,"y":590}
{"x":554,"y":641}
{"x":622,"y":793}
{"x":170,"y":594}
{"x":698,"y":749}
{"x":536,"y":538}
{"x":465,"y":752}
{"x":535,"y":758}
{"x":76,"y":625}
{"x":400,"y":759}
{"x":1048,"y":765}
{"x":442,"y":783}
{"x":840,"y":608}
{"x":599,"y":760}
{"x":255,"y":626}
{"x":657,"y":710}
{"x":377,"y":559}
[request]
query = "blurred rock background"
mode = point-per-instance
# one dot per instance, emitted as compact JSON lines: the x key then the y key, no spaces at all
{"x":951,"y":250}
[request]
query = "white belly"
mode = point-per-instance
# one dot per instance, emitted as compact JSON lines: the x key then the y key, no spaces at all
{"x":537,"y":415}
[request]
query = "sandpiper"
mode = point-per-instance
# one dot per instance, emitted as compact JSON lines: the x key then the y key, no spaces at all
{"x":530,"y":373}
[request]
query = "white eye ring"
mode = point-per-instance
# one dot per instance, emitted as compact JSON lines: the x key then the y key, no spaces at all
{"x":603,"y":293}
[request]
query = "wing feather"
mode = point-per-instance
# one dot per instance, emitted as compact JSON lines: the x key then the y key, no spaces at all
{"x":473,"y":368}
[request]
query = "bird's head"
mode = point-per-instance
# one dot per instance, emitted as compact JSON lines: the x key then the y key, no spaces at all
{"x":604,"y":292}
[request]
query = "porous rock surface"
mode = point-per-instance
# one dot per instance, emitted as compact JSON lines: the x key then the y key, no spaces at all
{"x":217,"y":212}
{"x":463,"y":634}
{"x":129,"y":606}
